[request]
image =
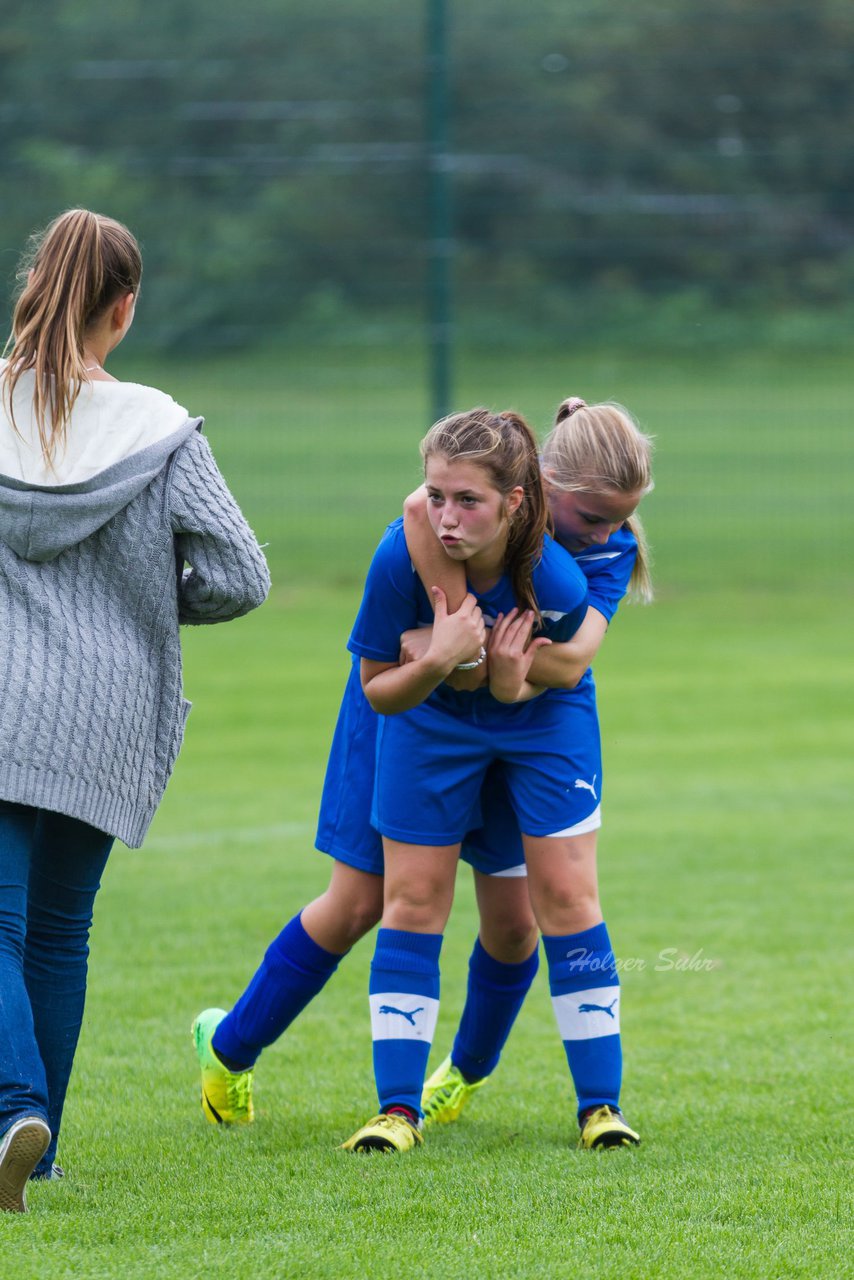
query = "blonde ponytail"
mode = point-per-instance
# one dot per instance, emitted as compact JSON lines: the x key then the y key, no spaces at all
{"x":599,"y":448}
{"x":78,"y":267}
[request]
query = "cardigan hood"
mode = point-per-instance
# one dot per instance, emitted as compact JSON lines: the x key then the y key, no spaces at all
{"x":120,"y":435}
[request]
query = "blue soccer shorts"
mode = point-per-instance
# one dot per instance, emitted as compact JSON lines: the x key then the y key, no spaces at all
{"x":344,"y":823}
{"x":344,"y":829}
{"x":431,"y":765}
{"x":495,"y":845}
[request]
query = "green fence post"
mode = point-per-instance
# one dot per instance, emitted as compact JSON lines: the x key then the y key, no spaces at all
{"x":440,"y":247}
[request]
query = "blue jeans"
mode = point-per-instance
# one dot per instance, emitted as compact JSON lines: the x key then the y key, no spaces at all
{"x":50,"y":871}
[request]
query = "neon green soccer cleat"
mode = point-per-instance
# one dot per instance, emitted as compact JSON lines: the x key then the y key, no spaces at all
{"x":386,"y":1134}
{"x":226,"y":1095}
{"x":446,"y":1092}
{"x":605,"y":1127}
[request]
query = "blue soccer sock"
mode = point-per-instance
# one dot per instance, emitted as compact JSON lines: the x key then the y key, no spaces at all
{"x":494,"y":997}
{"x":294,"y":969}
{"x":585,"y":991}
{"x":404,"y":995}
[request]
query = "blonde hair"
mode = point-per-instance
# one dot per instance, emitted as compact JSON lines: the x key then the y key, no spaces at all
{"x":505,"y":447}
{"x":599,"y":448}
{"x":72,"y":273}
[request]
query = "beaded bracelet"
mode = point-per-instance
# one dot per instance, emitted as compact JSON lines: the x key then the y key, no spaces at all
{"x":470,"y":666}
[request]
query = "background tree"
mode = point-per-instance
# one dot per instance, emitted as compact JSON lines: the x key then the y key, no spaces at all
{"x":605,"y":158}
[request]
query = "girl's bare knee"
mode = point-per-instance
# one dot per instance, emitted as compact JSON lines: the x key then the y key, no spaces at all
{"x":362,"y":916}
{"x":565,"y":911}
{"x":415,"y":912}
{"x":351,"y":906}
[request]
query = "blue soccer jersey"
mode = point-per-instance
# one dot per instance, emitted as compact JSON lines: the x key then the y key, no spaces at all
{"x":431,"y":760}
{"x":494,"y":848}
{"x":608,"y":569}
{"x":394,"y":601}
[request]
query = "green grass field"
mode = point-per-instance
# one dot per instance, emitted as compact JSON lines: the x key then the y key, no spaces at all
{"x":727,"y":731}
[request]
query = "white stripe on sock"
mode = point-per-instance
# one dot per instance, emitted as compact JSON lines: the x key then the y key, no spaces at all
{"x":584,"y":1015}
{"x":400,"y":1015}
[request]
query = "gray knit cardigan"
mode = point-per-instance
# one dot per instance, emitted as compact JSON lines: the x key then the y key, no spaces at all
{"x":94,"y":580}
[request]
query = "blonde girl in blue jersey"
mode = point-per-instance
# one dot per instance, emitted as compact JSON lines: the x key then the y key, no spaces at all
{"x":303,"y":957}
{"x":435,"y":747}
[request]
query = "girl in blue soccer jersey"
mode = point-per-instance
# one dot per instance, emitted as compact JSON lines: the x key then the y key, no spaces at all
{"x":435,"y":745}
{"x":596,"y":468}
{"x":301,"y":959}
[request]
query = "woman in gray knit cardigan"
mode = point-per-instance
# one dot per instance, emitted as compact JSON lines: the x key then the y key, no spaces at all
{"x":115,"y":527}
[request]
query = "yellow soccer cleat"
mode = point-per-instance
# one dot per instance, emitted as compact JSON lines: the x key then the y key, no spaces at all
{"x":226,"y":1095}
{"x":385,"y":1133}
{"x":446,"y":1092}
{"x":605,"y":1127}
